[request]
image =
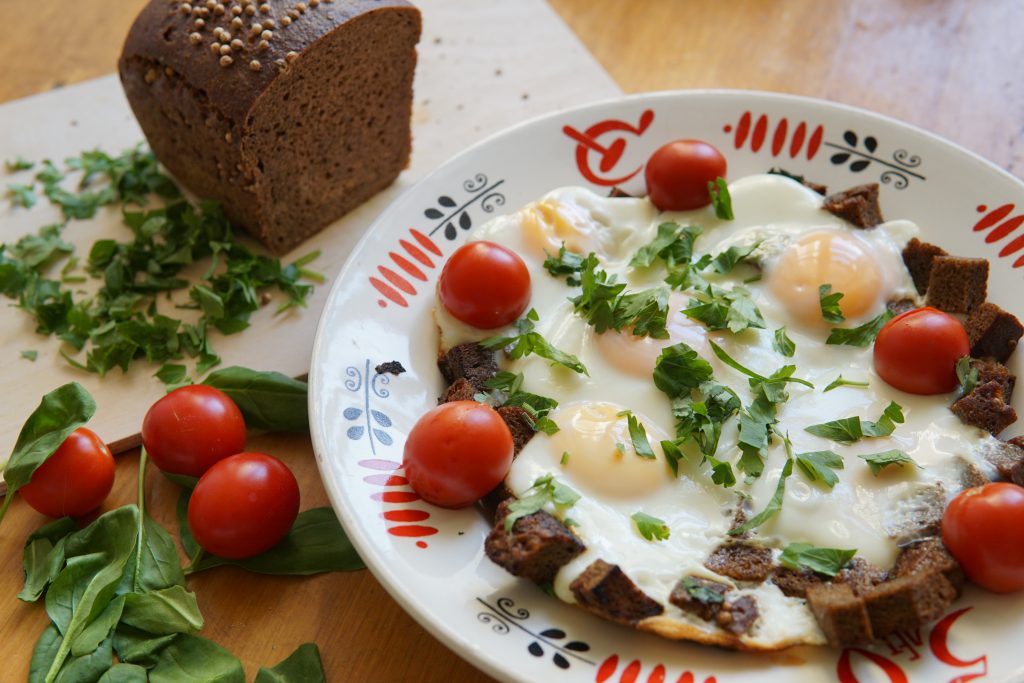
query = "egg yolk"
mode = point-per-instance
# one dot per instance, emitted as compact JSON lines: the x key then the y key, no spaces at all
{"x":826,"y":257}
{"x":637,"y":356}
{"x":601,"y":455}
{"x":548,"y":224}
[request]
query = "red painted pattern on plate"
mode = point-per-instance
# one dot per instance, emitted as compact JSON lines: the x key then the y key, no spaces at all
{"x":393,"y":283}
{"x":756,"y":132}
{"x":403,"y":516}
{"x":632,"y":672}
{"x":1001,"y":225}
{"x":605,"y":142}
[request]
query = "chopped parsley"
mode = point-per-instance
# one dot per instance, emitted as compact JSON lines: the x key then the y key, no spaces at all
{"x":564,"y":459}
{"x":861,"y":335}
{"x":673,"y":454}
{"x":508,"y":391}
{"x":851,"y":429}
{"x":651,"y":528}
{"x":172,"y":374}
{"x":879,"y":461}
{"x":545,"y":490}
{"x":825,"y":561}
{"x":21,"y":195}
{"x":673,"y":244}
{"x":604,"y":304}
{"x":18,"y":163}
{"x":773,"y":506}
{"x":29,"y":354}
{"x":679,"y":368}
{"x":721,"y":309}
{"x":820,"y":466}
{"x":966,"y":375}
{"x":780,"y":376}
{"x":567,"y":263}
{"x":783,"y":344}
{"x":720,"y":199}
{"x":530,"y":341}
{"x":638,"y":435}
{"x":829,"y":302}
{"x":728,"y":259}
{"x":840,"y":382}
{"x":699,"y":592}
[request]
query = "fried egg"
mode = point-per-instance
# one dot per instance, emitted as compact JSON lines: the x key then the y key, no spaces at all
{"x":799,"y":247}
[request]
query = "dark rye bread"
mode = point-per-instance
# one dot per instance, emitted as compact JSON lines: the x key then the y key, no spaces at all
{"x":918,"y":257}
{"x":858,"y":205}
{"x":993,"y":332}
{"x":536,"y":548}
{"x":985,"y":407}
{"x":741,"y":561}
{"x":605,"y":590}
{"x":957,"y":284}
{"x":288,"y":113}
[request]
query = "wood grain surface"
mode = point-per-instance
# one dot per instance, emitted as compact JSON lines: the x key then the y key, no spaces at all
{"x":950,"y":66}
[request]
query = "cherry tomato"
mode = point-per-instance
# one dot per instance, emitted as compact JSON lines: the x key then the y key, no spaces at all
{"x":485,"y":285}
{"x":983,"y":528}
{"x":243,"y":505}
{"x":917,"y":351}
{"x":678,"y":174}
{"x":458,"y":452}
{"x":75,"y":479}
{"x":191,"y":428}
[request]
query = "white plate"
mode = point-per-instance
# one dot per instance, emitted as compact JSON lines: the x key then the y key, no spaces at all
{"x":431,"y":560}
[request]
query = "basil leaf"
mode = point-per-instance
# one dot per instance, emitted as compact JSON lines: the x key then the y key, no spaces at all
{"x":819,"y":466}
{"x":679,"y":369}
{"x":43,"y":557}
{"x":302,"y":666}
{"x":59,"y":413}
{"x":545,"y":489}
{"x":638,"y":435}
{"x":829,"y":302}
{"x":840,"y":382}
{"x":172,"y":374}
{"x":163,"y":612}
{"x":862,"y":335}
{"x":124,"y":673}
{"x":699,"y":592}
{"x":720,"y":199}
{"x":268,"y":400}
{"x":650,"y":527}
{"x":189,"y":658}
{"x":879,"y":461}
{"x":966,"y":375}
{"x":783,"y":344}
{"x":825,"y":561}
{"x":773,"y":506}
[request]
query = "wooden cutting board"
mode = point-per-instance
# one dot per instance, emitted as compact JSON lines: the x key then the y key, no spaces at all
{"x":483,"y":66}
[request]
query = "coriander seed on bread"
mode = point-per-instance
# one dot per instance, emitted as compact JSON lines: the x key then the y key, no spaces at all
{"x":288,"y":113}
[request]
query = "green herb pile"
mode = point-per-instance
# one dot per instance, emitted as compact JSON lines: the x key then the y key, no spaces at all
{"x":131,"y":315}
{"x":117,"y":588}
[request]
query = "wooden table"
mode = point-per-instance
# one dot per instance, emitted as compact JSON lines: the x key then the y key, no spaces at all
{"x":949,"y":66}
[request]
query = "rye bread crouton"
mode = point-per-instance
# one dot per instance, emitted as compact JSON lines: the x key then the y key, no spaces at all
{"x":991,"y":370}
{"x":701,"y":597}
{"x":842,"y":616}
{"x":927,"y":556}
{"x":918,"y":257}
{"x":741,"y":561}
{"x":908,"y":602}
{"x":536,"y":548}
{"x":459,"y":390}
{"x":984,"y":407}
{"x":898,"y":306}
{"x":993,"y":332}
{"x":519,"y":423}
{"x":858,"y":205}
{"x":859,"y":575}
{"x":738,"y":616}
{"x":1009,"y":460}
{"x":957,"y":284}
{"x":605,"y":590}
{"x":469,"y":361}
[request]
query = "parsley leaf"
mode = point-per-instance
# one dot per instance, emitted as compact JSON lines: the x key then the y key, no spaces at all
{"x":701,"y":418}
{"x":565,"y":263}
{"x":773,"y":506}
{"x":699,"y":592}
{"x":728,"y":259}
{"x":508,"y":392}
{"x":721,"y":309}
{"x":29,"y":354}
{"x":673,"y":244}
{"x":605,"y":305}
{"x":564,"y":460}
{"x":679,"y":368}
{"x":886,"y":424}
{"x":720,"y":199}
{"x":840,"y":382}
{"x":783,"y":344}
{"x":966,"y":375}
{"x":851,"y":429}
{"x":721,"y":472}
{"x":673,"y":454}
{"x":530,"y":341}
{"x":21,"y":195}
{"x":544,"y":490}
{"x":650,"y":527}
{"x":782,"y":375}
{"x":18,"y":163}
{"x":819,"y":466}
{"x":825,"y":561}
{"x":879,"y":461}
{"x":861,"y":335}
{"x":756,"y":425}
{"x":638,"y":435}
{"x":829,"y":302}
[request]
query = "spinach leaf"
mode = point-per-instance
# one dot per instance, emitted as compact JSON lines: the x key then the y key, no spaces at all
{"x":99,"y":629}
{"x":268,"y":400}
{"x":302,"y":666}
{"x":124,"y":673}
{"x":44,"y":654}
{"x":163,"y":612}
{"x":60,"y":412}
{"x":139,"y":647}
{"x":43,"y":557}
{"x":44,"y":666}
{"x":191,"y":659}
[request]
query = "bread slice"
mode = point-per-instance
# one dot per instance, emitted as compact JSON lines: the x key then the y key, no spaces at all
{"x":288,"y":113}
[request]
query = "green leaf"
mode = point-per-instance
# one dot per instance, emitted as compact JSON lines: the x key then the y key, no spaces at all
{"x":59,"y":413}
{"x":545,"y":490}
{"x":840,"y":382}
{"x":302,"y":666}
{"x":721,"y":472}
{"x":125,"y":673}
{"x":699,"y":592}
{"x":44,"y":653}
{"x":783,"y":344}
{"x":862,"y":335}
{"x":879,"y":461}
{"x":673,"y":244}
{"x":720,"y":199}
{"x":139,"y":647}
{"x":43,"y":557}
{"x":268,"y":400}
{"x":21,"y":195}
{"x":701,"y":418}
{"x":966,"y":375}
{"x":163,"y":612}
{"x":605,"y":304}
{"x":18,"y":163}
{"x":87,"y":667}
{"x":30,"y":354}
{"x":886,"y":424}
{"x":565,"y":263}
{"x":638,"y":435}
{"x":98,"y":629}
{"x":529,"y":341}
{"x":728,"y":259}
{"x":172,"y":374}
{"x":721,"y":309}
{"x":679,"y":369}
{"x":650,"y":527}
{"x":829,"y":302}
{"x":825,"y":561}
{"x":673,"y":454}
{"x":819,"y":466}
{"x":783,"y":375}
{"x":846,"y":430}
{"x":191,"y":659}
{"x":773,"y":506}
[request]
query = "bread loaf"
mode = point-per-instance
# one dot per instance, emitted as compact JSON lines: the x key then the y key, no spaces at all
{"x":288,"y":113}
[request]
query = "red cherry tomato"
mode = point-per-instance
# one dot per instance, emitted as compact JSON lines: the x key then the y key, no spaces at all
{"x":191,"y":428}
{"x":917,"y":351}
{"x":678,"y":174}
{"x":243,"y":505}
{"x":983,"y":528}
{"x":485,"y":285}
{"x":458,"y":452}
{"x":75,"y":479}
